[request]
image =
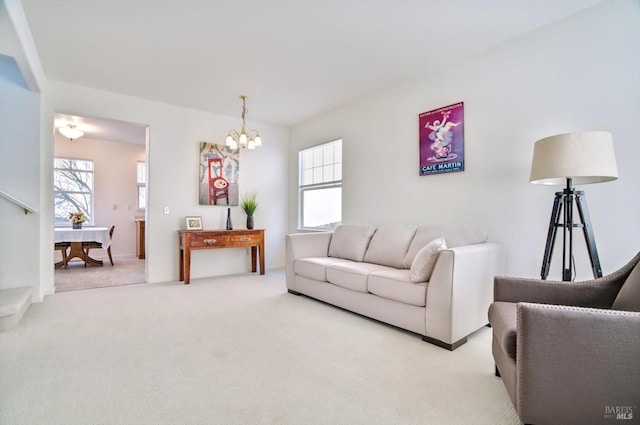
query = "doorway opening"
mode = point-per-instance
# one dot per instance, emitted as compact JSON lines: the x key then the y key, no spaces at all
{"x":102,"y":174}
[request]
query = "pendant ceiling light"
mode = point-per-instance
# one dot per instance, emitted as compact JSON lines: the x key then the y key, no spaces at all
{"x":244,"y":139}
{"x":71,"y":132}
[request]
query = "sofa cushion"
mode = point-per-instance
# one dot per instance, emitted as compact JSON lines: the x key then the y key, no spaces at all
{"x":396,"y":285}
{"x":629,"y":296}
{"x":503,"y":317}
{"x":314,"y":267}
{"x":425,"y":260}
{"x":463,"y":235}
{"x":454,"y":235}
{"x":389,"y":244}
{"x":350,"y":241}
{"x":352,"y":275}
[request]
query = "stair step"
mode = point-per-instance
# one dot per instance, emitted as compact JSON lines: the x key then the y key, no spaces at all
{"x":14,"y":303}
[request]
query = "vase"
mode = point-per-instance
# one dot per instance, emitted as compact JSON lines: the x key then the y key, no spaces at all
{"x":77,"y":225}
{"x":229,"y":225}
{"x":249,"y":222}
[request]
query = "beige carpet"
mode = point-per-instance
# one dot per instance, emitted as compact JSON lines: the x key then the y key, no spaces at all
{"x":234,"y":350}
{"x":125,"y":271}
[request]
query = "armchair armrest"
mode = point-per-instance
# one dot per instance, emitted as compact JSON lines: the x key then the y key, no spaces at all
{"x":597,"y":293}
{"x":583,"y":358}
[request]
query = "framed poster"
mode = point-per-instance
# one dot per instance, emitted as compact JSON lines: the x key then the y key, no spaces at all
{"x":442,"y":140}
{"x":219,"y":168}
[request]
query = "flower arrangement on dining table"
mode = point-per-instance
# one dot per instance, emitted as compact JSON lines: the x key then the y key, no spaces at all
{"x":77,"y":217}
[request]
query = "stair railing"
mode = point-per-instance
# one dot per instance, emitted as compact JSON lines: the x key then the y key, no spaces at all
{"x":27,"y":209}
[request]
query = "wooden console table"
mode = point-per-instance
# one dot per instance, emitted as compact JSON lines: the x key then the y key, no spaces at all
{"x":214,"y":239}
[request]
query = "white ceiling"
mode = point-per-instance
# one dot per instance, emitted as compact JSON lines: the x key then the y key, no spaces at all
{"x":295,"y":59}
{"x":104,"y":129}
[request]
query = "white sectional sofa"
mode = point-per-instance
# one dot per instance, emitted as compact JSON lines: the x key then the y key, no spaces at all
{"x":436,"y":281}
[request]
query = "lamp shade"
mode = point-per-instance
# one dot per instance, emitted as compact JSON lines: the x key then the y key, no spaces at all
{"x":585,"y":157}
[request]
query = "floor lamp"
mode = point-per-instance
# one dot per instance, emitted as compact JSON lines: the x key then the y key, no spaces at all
{"x":568,"y":159}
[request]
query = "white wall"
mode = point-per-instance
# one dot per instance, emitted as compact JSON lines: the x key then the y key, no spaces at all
{"x":175,"y":134}
{"x":115,"y":186}
{"x":582,"y":73}
{"x":19,"y":120}
{"x":19,"y":178}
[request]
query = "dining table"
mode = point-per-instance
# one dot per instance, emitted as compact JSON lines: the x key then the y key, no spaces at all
{"x":76,"y":237}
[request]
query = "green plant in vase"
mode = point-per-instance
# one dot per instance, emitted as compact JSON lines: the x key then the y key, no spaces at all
{"x":249,"y":204}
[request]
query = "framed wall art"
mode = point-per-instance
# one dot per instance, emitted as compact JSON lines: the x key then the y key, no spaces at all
{"x":193,"y":222}
{"x":442,"y":140}
{"x":219,"y":169}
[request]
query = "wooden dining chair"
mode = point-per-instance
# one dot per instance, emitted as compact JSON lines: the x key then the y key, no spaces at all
{"x":63,"y":247}
{"x":86,"y":246}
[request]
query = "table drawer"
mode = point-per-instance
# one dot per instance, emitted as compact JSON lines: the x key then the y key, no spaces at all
{"x":211,"y":240}
{"x":243,"y":240}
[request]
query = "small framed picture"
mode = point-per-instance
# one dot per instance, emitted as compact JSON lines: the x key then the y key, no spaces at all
{"x":193,"y":223}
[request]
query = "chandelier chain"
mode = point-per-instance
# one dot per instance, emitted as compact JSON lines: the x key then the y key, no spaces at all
{"x":244,"y":139}
{"x":244,"y":110}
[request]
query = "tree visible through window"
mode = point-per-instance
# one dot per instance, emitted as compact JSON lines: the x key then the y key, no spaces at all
{"x":73,"y":189}
{"x":320,"y":186}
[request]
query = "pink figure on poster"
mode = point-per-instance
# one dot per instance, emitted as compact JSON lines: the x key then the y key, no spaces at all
{"x":441,"y":135}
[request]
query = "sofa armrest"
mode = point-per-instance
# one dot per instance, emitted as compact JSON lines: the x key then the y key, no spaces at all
{"x":461,"y":289}
{"x":574,"y":363}
{"x":302,"y":245}
{"x":597,"y":293}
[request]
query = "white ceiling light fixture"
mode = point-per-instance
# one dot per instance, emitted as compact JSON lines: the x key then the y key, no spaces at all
{"x":249,"y":140}
{"x":71,"y":132}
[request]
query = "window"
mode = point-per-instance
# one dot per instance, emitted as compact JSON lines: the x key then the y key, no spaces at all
{"x":142,"y":184}
{"x":320,"y":186}
{"x":73,"y":189}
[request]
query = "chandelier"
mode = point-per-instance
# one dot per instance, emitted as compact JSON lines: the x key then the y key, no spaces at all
{"x":249,"y":140}
{"x":71,"y":132}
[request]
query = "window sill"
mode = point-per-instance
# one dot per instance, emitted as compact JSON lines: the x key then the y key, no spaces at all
{"x":314,"y":229}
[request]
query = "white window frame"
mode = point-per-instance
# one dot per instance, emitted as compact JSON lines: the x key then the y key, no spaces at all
{"x":319,"y":181}
{"x":89,"y":211}
{"x":141,"y":180}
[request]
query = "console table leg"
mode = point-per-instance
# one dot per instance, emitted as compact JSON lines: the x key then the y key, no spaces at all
{"x":261,"y":248}
{"x":181,"y":265}
{"x":187,"y":266}
{"x":254,"y":258}
{"x":186,"y":270}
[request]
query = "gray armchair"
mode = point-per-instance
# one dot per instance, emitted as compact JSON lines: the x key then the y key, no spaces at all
{"x":569,"y":352}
